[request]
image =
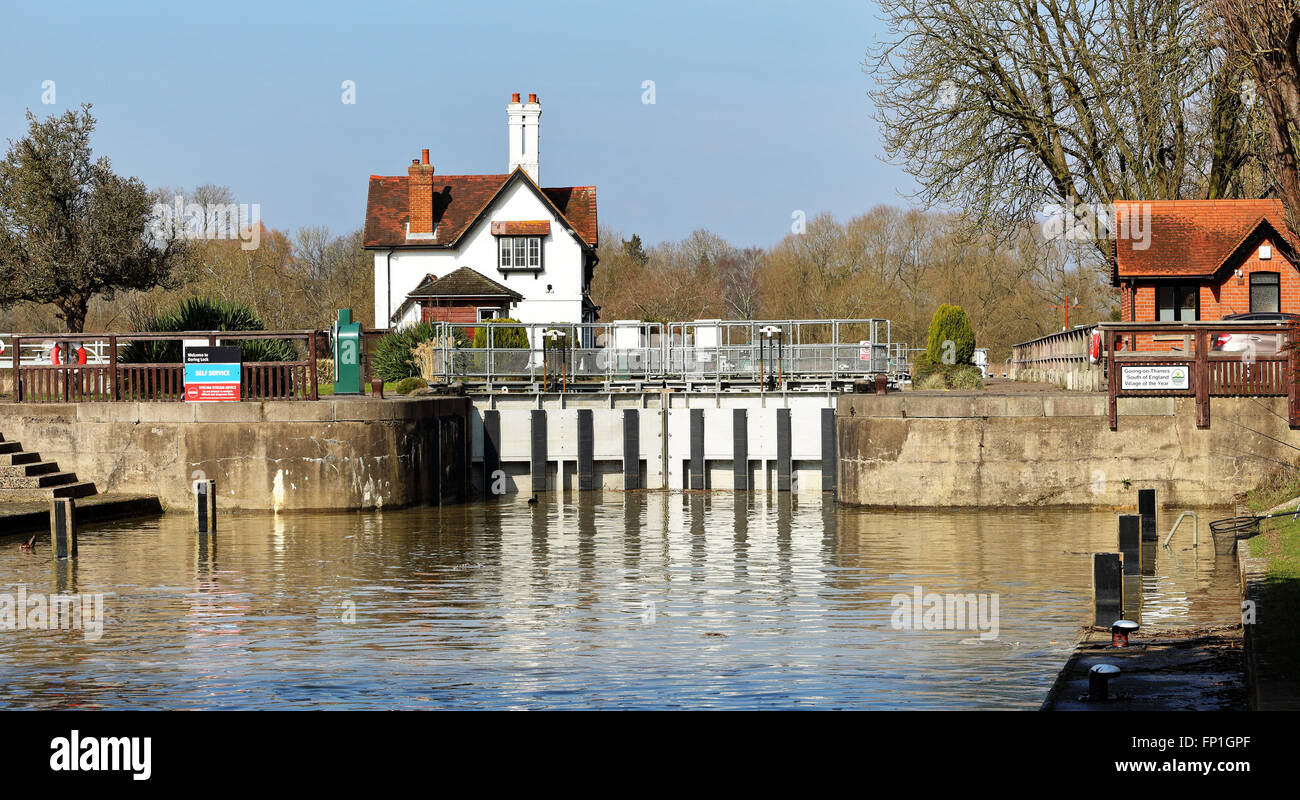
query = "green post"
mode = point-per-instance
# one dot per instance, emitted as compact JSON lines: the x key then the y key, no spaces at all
{"x":347,"y":354}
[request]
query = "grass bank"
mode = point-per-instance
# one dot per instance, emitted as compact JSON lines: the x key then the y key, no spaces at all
{"x":1278,"y":614}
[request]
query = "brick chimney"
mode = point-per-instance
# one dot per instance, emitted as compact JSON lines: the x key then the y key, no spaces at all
{"x":523,"y":119}
{"x":420,"y":198}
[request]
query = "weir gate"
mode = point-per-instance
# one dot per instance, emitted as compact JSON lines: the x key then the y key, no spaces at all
{"x":703,"y":405}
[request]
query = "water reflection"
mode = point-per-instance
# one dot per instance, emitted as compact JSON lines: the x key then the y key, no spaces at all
{"x":609,"y":600}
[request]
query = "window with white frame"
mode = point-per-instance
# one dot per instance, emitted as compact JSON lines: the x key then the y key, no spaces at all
{"x":520,"y":252}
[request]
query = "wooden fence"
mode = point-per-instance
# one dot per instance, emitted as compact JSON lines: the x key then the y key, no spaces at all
{"x":1058,"y":358}
{"x":1200,"y":368}
{"x":112,"y":380}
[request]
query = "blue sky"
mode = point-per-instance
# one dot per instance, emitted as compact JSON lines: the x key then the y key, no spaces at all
{"x":761,"y":107}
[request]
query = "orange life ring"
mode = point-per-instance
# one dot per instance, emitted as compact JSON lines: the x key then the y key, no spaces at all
{"x":81,"y":354}
{"x":54,"y":355}
{"x":1094,"y":347}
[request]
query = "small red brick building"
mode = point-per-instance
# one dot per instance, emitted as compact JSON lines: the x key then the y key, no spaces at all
{"x":1190,"y":260}
{"x":461,"y":296}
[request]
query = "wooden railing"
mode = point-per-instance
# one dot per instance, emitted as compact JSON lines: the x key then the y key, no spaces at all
{"x":112,"y":380}
{"x":1210,"y":372}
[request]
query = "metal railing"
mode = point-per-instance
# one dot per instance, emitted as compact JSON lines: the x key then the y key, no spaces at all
{"x":772,"y":353}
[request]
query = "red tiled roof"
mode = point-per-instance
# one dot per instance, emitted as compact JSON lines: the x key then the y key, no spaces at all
{"x":1192,"y":238}
{"x":463,"y":282}
{"x":459,"y":200}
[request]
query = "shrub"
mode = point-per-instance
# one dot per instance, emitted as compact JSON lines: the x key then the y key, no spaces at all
{"x":950,"y":324}
{"x":935,"y":380}
{"x":393,"y":359}
{"x":965,"y":377}
{"x":408,"y":385}
{"x":204,"y":314}
{"x":502,"y":335}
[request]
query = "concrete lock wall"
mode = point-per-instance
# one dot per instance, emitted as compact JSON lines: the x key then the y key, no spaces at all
{"x":672,"y":451}
{"x":932,"y":451}
{"x":336,"y":454}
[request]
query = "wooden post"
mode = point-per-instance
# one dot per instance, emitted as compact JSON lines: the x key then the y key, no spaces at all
{"x":1291,"y":374}
{"x":1202,"y":373}
{"x":113,"y":393}
{"x":63,"y":529}
{"x":18,"y":384}
{"x":205,"y":505}
{"x":1107,"y":589}
{"x":1130,"y":543}
{"x":1112,"y":379}
{"x":311,"y":356}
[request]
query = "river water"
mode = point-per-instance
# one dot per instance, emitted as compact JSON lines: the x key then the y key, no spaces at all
{"x":609,"y":601}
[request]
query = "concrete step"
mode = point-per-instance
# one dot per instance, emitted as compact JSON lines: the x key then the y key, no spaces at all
{"x":10,"y":447}
{"x":48,"y":479}
{"x":75,"y":489}
{"x":10,"y":459}
{"x":28,"y":469}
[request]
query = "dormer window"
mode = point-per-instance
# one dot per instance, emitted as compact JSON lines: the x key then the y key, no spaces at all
{"x":520,"y":252}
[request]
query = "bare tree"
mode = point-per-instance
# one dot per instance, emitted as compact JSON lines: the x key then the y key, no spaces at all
{"x":1264,"y":33}
{"x":1000,"y":107}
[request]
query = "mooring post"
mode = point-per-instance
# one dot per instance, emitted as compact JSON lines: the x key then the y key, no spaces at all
{"x":1130,"y":543}
{"x":1107,"y":588}
{"x":205,"y":505}
{"x":830,"y":455}
{"x":784,"y":462}
{"x":491,"y":449}
{"x":63,"y":527}
{"x":1099,"y":681}
{"x":631,"y":449}
{"x":586,"y":450}
{"x":538,"y":460}
{"x":1147,"y":511}
{"x":1120,"y":631}
{"x":739,"y":450}
{"x":697,"y":448}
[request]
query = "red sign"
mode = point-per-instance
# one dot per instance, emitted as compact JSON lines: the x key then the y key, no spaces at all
{"x":209,"y":392}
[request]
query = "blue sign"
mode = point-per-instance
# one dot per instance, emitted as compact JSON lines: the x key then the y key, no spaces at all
{"x":212,"y":373}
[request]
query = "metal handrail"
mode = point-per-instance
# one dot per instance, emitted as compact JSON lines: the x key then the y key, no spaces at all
{"x":1196,"y":528}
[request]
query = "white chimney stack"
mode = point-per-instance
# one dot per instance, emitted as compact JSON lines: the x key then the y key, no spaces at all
{"x":523,"y":119}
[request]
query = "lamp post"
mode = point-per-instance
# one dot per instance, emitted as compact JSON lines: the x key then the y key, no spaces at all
{"x":559,"y":341}
{"x":770,"y":332}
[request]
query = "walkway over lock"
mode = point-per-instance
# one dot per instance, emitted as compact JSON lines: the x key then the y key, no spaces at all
{"x":703,"y":355}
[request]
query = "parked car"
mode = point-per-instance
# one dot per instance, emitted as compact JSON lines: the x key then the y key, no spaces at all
{"x":1266,"y":344}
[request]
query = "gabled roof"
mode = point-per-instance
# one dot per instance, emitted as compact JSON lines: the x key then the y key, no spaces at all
{"x":459,"y":201}
{"x":1194,"y":238}
{"x":463,"y":282}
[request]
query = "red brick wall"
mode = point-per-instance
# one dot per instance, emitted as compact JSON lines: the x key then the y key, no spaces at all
{"x":461,"y":311}
{"x":1230,"y":297}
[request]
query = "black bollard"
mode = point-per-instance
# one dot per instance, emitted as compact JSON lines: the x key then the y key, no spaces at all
{"x":205,"y":505}
{"x":63,"y":527}
{"x":1099,"y":681}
